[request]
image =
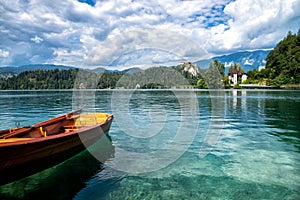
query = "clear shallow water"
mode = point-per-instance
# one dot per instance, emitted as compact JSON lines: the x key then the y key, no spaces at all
{"x":232,"y":145}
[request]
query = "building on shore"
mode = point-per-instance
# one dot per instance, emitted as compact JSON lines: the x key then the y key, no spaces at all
{"x":235,"y":75}
{"x":261,"y":67}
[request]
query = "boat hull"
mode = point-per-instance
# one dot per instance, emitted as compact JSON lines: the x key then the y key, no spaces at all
{"x":23,"y":158}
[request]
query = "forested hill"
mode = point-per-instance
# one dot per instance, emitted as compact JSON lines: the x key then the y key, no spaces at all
{"x":67,"y":79}
{"x":283,"y":62}
{"x":40,"y":79}
{"x":33,"y":67}
{"x":55,"y":79}
{"x":282,"y":66}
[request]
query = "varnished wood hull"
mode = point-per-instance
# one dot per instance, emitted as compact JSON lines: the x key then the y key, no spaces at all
{"x":23,"y":158}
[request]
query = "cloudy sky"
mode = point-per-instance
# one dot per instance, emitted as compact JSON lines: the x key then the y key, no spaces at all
{"x":90,"y":33}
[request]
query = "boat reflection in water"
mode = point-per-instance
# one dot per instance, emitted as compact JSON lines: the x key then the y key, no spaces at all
{"x":62,"y":181}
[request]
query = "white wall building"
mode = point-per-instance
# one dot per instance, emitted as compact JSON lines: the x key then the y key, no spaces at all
{"x":244,"y":77}
{"x":235,"y":75}
{"x":261,"y":67}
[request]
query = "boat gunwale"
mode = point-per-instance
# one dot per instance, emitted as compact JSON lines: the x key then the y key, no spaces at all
{"x":56,"y":136}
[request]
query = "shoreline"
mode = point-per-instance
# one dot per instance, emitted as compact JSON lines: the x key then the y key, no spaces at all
{"x":161,"y":89}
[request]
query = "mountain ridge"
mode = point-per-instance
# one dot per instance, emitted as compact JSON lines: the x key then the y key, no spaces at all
{"x":23,"y":68}
{"x":249,"y":60}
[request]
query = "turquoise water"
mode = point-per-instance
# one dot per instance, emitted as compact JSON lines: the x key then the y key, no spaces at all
{"x":235,"y":144}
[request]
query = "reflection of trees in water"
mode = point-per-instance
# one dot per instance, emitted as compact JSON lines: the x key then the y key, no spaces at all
{"x":62,"y":181}
{"x":283,"y":114}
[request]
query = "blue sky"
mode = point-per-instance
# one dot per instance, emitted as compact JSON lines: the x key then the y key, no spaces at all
{"x":121,"y":34}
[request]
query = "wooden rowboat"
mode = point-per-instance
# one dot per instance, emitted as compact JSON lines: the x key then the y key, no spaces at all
{"x":28,"y":150}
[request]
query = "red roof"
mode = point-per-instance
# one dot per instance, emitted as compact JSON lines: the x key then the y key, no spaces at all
{"x":239,"y":73}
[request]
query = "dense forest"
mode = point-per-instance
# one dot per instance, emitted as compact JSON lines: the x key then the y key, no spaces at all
{"x":59,"y":79}
{"x":40,"y":79}
{"x":283,"y":63}
{"x":185,"y":75}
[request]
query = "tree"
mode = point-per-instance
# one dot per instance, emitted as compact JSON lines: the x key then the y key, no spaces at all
{"x":220,"y":67}
{"x":283,"y":62}
{"x":201,"y":84}
{"x":235,"y":67}
{"x":213,"y":76}
{"x":226,"y":82}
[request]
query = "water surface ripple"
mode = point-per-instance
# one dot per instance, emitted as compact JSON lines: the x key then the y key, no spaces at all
{"x":256,"y":155}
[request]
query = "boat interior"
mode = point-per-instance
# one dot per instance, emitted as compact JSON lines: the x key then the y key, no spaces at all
{"x":59,"y":125}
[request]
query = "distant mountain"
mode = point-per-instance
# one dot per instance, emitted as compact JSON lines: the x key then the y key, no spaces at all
{"x":249,"y":60}
{"x":131,"y":70}
{"x":20,"y":69}
{"x":98,"y":70}
{"x":126,"y":71}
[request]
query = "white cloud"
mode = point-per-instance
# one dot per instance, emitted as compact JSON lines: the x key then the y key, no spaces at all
{"x":3,"y":53}
{"x":145,"y":58}
{"x":67,"y":57}
{"x":256,"y":24}
{"x":139,"y":39}
{"x":4,"y":56}
{"x":36,"y":39}
{"x":62,"y":31}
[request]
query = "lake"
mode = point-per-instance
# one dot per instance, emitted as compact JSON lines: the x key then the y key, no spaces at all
{"x":169,"y":144}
